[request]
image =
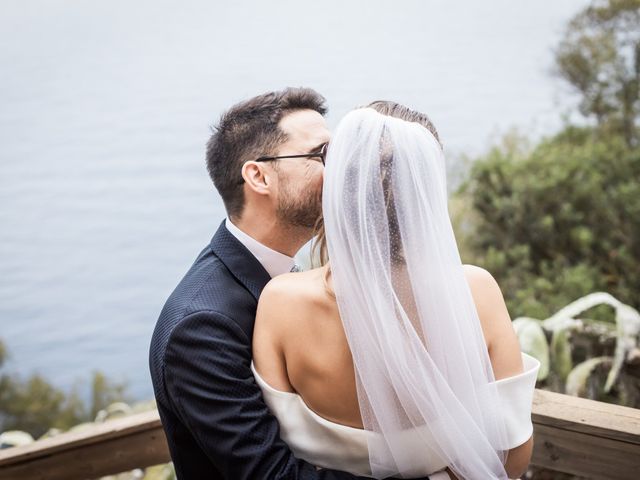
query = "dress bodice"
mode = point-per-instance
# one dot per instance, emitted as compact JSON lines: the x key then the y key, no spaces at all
{"x":327,"y":444}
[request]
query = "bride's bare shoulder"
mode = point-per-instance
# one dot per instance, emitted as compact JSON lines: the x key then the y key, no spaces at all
{"x":289,"y":295}
{"x":484,"y":287}
{"x":501,"y":339}
{"x":282,"y":304}
{"x":476,"y":274}
{"x":294,"y":287}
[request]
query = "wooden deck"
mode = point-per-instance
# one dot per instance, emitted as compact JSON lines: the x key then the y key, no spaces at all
{"x":573,"y":435}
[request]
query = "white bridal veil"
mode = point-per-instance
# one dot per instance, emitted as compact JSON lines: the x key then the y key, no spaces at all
{"x":420,"y":359}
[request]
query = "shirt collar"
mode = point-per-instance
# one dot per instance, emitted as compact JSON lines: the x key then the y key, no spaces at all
{"x":275,"y":263}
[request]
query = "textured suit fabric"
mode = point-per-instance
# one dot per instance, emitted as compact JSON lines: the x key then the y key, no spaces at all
{"x":212,"y":411}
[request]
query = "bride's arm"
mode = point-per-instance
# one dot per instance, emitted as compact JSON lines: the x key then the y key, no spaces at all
{"x":272,"y":317}
{"x":503,"y":346}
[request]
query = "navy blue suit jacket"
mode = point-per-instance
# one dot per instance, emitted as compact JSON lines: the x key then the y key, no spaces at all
{"x":212,"y":411}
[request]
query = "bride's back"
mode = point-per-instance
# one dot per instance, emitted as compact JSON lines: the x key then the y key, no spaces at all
{"x":299,"y":343}
{"x":298,"y":323}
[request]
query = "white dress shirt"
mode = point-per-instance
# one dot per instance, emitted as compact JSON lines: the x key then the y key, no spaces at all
{"x":275,"y":263}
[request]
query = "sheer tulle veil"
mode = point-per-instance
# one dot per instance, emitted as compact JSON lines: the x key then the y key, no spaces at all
{"x":420,"y":358}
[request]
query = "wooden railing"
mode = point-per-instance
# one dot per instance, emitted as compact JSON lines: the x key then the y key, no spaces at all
{"x":587,"y":438}
{"x":116,"y":446}
{"x":572,"y":435}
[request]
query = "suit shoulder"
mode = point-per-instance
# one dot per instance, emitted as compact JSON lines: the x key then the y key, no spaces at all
{"x":197,"y":291}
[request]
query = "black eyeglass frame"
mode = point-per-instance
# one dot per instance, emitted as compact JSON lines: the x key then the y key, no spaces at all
{"x":321,"y":154}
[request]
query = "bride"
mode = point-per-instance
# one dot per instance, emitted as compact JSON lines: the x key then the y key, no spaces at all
{"x":393,"y":359}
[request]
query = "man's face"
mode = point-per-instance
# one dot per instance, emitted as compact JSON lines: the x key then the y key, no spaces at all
{"x":300,"y":179}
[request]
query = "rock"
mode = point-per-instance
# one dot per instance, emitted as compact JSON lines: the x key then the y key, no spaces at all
{"x":14,"y":438}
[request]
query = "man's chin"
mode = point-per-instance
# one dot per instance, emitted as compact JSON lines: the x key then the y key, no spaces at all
{"x":299,"y":225}
{"x":302,"y":222}
{"x":299,"y":219}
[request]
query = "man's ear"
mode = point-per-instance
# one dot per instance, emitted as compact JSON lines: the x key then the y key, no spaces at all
{"x":257,"y":177}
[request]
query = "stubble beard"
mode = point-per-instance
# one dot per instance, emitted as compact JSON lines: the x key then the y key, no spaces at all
{"x":300,"y":210}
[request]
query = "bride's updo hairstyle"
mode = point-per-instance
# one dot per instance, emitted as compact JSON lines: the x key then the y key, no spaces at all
{"x":391,"y":109}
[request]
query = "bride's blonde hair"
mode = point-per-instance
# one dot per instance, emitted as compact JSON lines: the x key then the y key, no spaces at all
{"x":319,"y":252}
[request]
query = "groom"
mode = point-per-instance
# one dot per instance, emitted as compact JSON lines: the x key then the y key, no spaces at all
{"x":265,"y":161}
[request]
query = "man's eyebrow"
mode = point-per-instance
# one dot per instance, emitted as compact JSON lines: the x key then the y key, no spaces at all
{"x":317,"y":148}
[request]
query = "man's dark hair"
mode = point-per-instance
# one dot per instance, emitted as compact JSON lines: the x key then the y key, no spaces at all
{"x":249,"y":130}
{"x":393,"y":109}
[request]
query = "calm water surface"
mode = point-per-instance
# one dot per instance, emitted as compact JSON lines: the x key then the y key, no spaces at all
{"x":106,"y":107}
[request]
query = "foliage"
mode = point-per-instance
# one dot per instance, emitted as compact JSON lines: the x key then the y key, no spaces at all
{"x":556,"y":221}
{"x":104,"y":392}
{"x":34,"y":405}
{"x":599,"y":56}
{"x":586,"y":357}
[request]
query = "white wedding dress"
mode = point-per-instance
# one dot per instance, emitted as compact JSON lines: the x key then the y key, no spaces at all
{"x":330,"y":445}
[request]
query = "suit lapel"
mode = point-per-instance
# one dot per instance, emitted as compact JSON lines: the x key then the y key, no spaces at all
{"x":241,"y":263}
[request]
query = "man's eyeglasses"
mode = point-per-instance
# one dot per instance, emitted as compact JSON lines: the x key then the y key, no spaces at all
{"x":319,"y":154}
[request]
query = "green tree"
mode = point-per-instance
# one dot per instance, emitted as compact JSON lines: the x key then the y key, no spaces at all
{"x":599,"y":56}
{"x":557,"y":221}
{"x":104,"y":392}
{"x":34,"y":405}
